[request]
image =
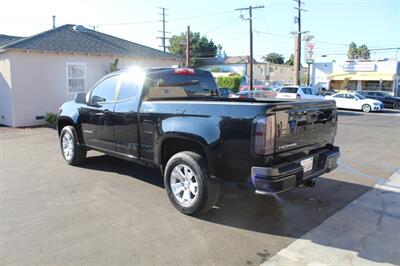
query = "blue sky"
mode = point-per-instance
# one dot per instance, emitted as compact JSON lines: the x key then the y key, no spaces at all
{"x":333,"y":23}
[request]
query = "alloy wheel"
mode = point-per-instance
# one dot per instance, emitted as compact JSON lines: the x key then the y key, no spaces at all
{"x":68,"y":146}
{"x":366,"y":108}
{"x":184,"y":185}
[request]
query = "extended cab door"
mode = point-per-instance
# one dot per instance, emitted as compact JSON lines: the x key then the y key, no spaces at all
{"x":95,"y":117}
{"x":125,"y":116}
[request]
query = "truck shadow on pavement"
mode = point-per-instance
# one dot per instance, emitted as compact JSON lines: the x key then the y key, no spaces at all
{"x":291,"y":214}
{"x":106,"y":163}
{"x":349,"y":113}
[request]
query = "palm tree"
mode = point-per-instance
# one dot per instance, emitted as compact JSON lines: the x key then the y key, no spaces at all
{"x":274,"y":58}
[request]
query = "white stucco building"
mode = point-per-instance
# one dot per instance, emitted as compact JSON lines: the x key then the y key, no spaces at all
{"x":358,"y":75}
{"x":39,"y":73}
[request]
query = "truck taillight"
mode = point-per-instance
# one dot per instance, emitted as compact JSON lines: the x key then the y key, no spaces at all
{"x":264,"y":135}
{"x":298,"y":96}
{"x":184,"y":71}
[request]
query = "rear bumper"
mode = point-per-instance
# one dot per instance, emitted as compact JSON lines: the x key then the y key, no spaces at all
{"x":290,"y":175}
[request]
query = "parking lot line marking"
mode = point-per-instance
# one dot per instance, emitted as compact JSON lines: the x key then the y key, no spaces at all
{"x":350,"y":236}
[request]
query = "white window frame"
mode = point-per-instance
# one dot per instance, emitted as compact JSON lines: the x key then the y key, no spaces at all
{"x":67,"y":78}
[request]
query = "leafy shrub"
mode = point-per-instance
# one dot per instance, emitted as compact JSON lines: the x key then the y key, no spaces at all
{"x":51,"y":119}
{"x":231,"y":82}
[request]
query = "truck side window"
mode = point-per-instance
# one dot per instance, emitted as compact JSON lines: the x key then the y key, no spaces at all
{"x":105,"y":90}
{"x":128,"y":89}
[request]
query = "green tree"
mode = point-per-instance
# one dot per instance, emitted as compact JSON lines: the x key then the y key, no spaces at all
{"x":358,"y":52}
{"x":274,"y":58}
{"x":200,"y":47}
{"x":363,"y":52}
{"x":352,"y":51}
{"x":290,"y":61}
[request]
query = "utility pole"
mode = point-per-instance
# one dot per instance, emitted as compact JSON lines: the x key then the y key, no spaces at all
{"x":54,"y":22}
{"x":188,"y":47}
{"x":163,"y":37}
{"x":250,"y":9}
{"x":297,"y":54}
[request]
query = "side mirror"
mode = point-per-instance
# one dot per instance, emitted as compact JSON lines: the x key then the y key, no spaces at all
{"x":80,"y":97}
{"x":96,"y":100}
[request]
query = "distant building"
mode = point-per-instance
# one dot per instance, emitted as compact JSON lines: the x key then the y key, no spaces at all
{"x":39,"y":73}
{"x":353,"y":75}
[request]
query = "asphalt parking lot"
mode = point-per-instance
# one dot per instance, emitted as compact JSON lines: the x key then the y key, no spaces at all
{"x":112,"y":212}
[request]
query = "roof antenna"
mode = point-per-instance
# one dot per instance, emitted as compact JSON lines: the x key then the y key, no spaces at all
{"x":54,"y":22}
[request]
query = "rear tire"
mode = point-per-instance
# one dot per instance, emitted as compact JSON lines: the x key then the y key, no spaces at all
{"x":188,"y":184}
{"x":366,"y":108}
{"x":396,"y":106}
{"x":72,"y":152}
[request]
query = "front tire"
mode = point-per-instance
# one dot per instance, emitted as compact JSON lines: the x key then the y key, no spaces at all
{"x":396,"y":106}
{"x":72,"y":152}
{"x":366,"y":108}
{"x":188,"y":184}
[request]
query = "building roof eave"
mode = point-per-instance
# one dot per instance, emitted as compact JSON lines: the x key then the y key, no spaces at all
{"x":88,"y":54}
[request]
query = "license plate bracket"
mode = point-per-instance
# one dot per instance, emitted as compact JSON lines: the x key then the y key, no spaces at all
{"x":307,"y":164}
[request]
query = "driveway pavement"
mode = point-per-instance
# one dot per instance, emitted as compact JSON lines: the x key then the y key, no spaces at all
{"x":114,"y":212}
{"x":365,"y":231}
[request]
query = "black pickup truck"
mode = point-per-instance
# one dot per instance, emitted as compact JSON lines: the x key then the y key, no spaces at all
{"x":174,"y":119}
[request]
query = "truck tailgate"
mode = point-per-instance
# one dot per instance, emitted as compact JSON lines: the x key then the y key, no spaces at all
{"x":301,"y":124}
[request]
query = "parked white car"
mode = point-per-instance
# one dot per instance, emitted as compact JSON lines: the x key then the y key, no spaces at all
{"x":298,"y":92}
{"x":355,"y":101}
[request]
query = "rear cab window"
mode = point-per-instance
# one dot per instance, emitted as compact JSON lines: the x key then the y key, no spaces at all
{"x":288,"y":90}
{"x":165,"y":84}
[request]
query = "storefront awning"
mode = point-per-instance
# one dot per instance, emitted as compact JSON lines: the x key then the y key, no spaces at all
{"x":372,"y":76}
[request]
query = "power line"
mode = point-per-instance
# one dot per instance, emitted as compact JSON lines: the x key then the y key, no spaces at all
{"x":171,"y":20}
{"x":221,"y":26}
{"x":129,"y":23}
{"x":201,"y":16}
{"x":274,"y":34}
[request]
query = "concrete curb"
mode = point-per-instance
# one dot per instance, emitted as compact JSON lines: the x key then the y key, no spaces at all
{"x":365,"y":232}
